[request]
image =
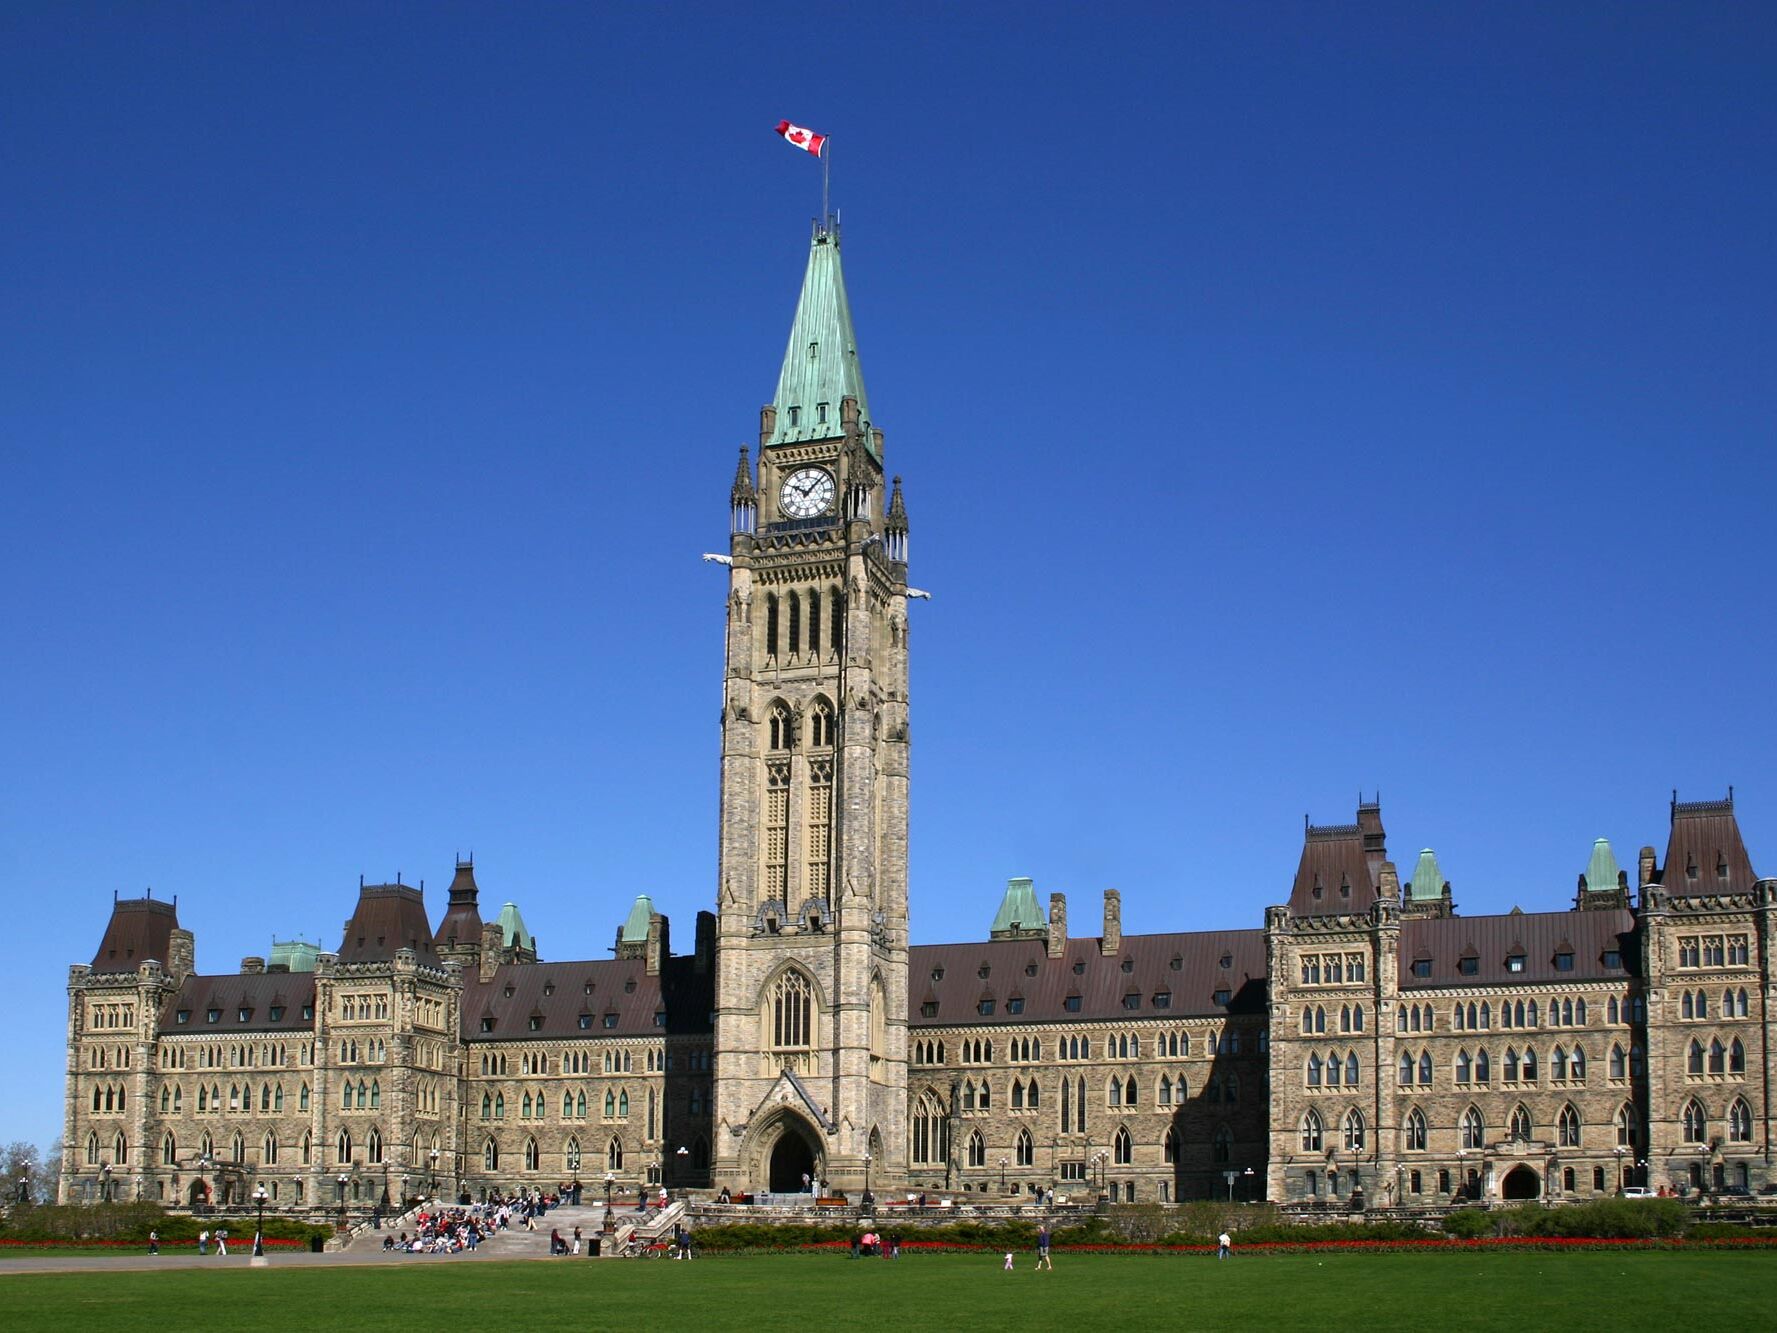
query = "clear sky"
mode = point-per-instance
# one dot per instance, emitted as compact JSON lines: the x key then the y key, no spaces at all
{"x":1293,"y":400}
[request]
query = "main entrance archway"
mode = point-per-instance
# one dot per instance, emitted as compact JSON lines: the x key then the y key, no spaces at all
{"x":1520,"y":1183}
{"x":792,"y":1161}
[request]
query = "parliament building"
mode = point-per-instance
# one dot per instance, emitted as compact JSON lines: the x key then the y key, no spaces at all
{"x":1365,"y":1043}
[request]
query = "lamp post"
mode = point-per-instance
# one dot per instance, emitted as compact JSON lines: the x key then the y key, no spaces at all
{"x":105,"y":1183}
{"x":1249,"y":1173}
{"x":1620,"y":1151}
{"x":1002,"y":1175}
{"x":867,"y":1200}
{"x":24,"y":1188}
{"x":610,"y":1180}
{"x":682,"y":1153}
{"x":1642,"y":1167}
{"x":259,"y":1233}
{"x":1230,"y":1176}
{"x":432,"y":1184}
{"x":341,"y":1182}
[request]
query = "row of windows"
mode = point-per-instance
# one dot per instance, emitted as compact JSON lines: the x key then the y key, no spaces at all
{"x":1329,"y":1072}
{"x":243,"y":1014}
{"x":108,"y":1057}
{"x":1713,"y":950}
{"x":1715,"y":1058}
{"x":356,"y":1007}
{"x":1118,"y":1046}
{"x":930,"y":1144}
{"x":793,"y":623}
{"x":1351,"y":1018}
{"x":111,"y":1016}
{"x":1695,"y":1004}
{"x":1331,"y":969}
{"x":536,"y":1063}
{"x":240,"y":1098}
{"x":181,"y":1055}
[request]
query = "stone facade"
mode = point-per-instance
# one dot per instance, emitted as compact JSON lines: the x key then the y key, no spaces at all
{"x":1368,"y":1041}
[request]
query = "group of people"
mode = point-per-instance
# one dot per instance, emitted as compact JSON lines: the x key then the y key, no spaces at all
{"x":872,"y":1246}
{"x":446,"y":1231}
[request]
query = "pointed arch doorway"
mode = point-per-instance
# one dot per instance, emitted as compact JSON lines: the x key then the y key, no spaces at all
{"x":792,"y":1159}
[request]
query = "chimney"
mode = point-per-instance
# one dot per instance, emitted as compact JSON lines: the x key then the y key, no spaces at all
{"x":493,"y":943}
{"x":183,"y":948}
{"x":658,"y":946}
{"x":1647,"y":867}
{"x":1111,"y":942}
{"x":251,"y":966}
{"x":706,"y":942}
{"x":1057,"y":924}
{"x":1390,"y":887}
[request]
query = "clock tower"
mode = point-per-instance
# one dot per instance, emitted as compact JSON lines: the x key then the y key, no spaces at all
{"x":811,"y":960}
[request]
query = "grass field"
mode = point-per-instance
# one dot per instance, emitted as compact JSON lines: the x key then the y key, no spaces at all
{"x":1517,"y":1291}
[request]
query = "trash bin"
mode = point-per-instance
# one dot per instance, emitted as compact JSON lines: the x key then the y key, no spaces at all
{"x":592,"y":1247}
{"x":316,"y":1245}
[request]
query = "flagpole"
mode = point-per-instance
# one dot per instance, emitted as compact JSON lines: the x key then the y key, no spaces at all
{"x":826,"y":158}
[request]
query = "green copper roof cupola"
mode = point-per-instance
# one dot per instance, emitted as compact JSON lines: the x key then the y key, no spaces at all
{"x":1019,"y":917}
{"x":513,"y":931}
{"x":635,"y":928}
{"x":821,"y":368}
{"x":1428,"y":880}
{"x":1602,"y":871}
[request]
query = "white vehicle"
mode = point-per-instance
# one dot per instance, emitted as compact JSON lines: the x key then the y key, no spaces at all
{"x":1637,"y":1192}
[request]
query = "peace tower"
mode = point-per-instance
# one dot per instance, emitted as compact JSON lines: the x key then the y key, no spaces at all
{"x":811,"y":974}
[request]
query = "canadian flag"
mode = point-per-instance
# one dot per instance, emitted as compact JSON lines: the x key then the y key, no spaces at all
{"x":801,"y":138}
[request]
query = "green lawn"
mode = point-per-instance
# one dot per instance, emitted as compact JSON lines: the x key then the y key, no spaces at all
{"x":1517,"y":1291}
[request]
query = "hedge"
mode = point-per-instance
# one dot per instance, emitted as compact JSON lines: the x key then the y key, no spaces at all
{"x":131,"y":1222}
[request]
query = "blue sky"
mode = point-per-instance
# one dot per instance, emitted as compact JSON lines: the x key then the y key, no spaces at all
{"x":1293,"y":400}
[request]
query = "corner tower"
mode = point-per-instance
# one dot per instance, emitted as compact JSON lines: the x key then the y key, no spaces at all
{"x":811,"y":971}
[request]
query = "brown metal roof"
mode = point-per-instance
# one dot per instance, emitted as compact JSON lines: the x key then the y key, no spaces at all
{"x":139,"y":929}
{"x":388,"y":917}
{"x":1186,"y":967}
{"x":557,"y":995}
{"x":1537,"y":936}
{"x":1333,"y":878}
{"x":258,"y":993}
{"x":1704,"y":853}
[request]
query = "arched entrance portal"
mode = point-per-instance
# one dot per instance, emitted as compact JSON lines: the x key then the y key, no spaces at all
{"x":792,"y":1159}
{"x":1520,"y":1183}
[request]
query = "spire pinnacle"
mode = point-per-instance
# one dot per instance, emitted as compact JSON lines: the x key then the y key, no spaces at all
{"x":821,"y":368}
{"x":743,"y":480}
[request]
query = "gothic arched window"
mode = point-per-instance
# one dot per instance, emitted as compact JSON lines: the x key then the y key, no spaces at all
{"x":791,"y":1012}
{"x":931,"y":1130}
{"x":1416,"y":1130}
{"x":1122,"y":1149}
{"x":1568,"y":1127}
{"x":1474,"y":1129}
{"x":1696,"y":1123}
{"x":1311,"y":1132}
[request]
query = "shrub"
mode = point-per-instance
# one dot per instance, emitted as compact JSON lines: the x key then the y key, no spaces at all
{"x":1469,"y":1224}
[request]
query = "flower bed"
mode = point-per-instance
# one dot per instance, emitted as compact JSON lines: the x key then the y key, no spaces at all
{"x":1401,"y":1246}
{"x":242,"y":1241}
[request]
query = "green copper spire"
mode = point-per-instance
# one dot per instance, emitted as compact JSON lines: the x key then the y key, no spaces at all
{"x":1428,"y":880}
{"x":821,"y":367}
{"x":635,"y":930}
{"x":1019,"y":911}
{"x":1602,"y":872}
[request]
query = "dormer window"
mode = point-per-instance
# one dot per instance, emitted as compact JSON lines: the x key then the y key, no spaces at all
{"x":610,"y":1020}
{"x":1222,"y":996}
{"x":929,"y":1009}
{"x":796,"y":414}
{"x":182,"y":1016}
{"x":276,"y":1013}
{"x":1344,"y":887}
{"x":213,"y":1016}
{"x":1162,"y":999}
{"x":820,"y":413}
{"x":1177,"y":964}
{"x":1015,"y":1005}
{"x":1515,"y":962}
{"x":508,"y":991}
{"x":1071,"y":1004}
{"x":1128,"y":965}
{"x":1079,"y":967}
{"x":548,"y":989}
{"x":536,"y":1022}
{"x":629,"y":986}
{"x":660,"y":1018}
{"x":243,"y":1014}
{"x":1030,"y":969}
{"x":985,"y":1008}
{"x":1132,"y":1000}
{"x":937,"y":974}
{"x":308,"y":1013}
{"x":1468,"y":967}
{"x":1564,"y":961}
{"x":487,"y":1023}
{"x":585,"y":1022}
{"x":984,"y":971}
{"x":1227,"y":961}
{"x":1422,"y":967}
{"x":1690,"y":867}
{"x":1721,"y":866}
{"x":1613,"y":958}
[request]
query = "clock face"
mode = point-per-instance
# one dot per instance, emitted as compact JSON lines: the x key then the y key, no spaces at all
{"x":807,"y":491}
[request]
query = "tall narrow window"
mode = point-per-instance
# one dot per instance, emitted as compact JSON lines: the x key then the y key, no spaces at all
{"x":771,"y":624}
{"x":820,"y":814}
{"x":814,"y":624}
{"x":837,"y":604}
{"x":790,"y":1012}
{"x":795,"y":624}
{"x":777,"y":829}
